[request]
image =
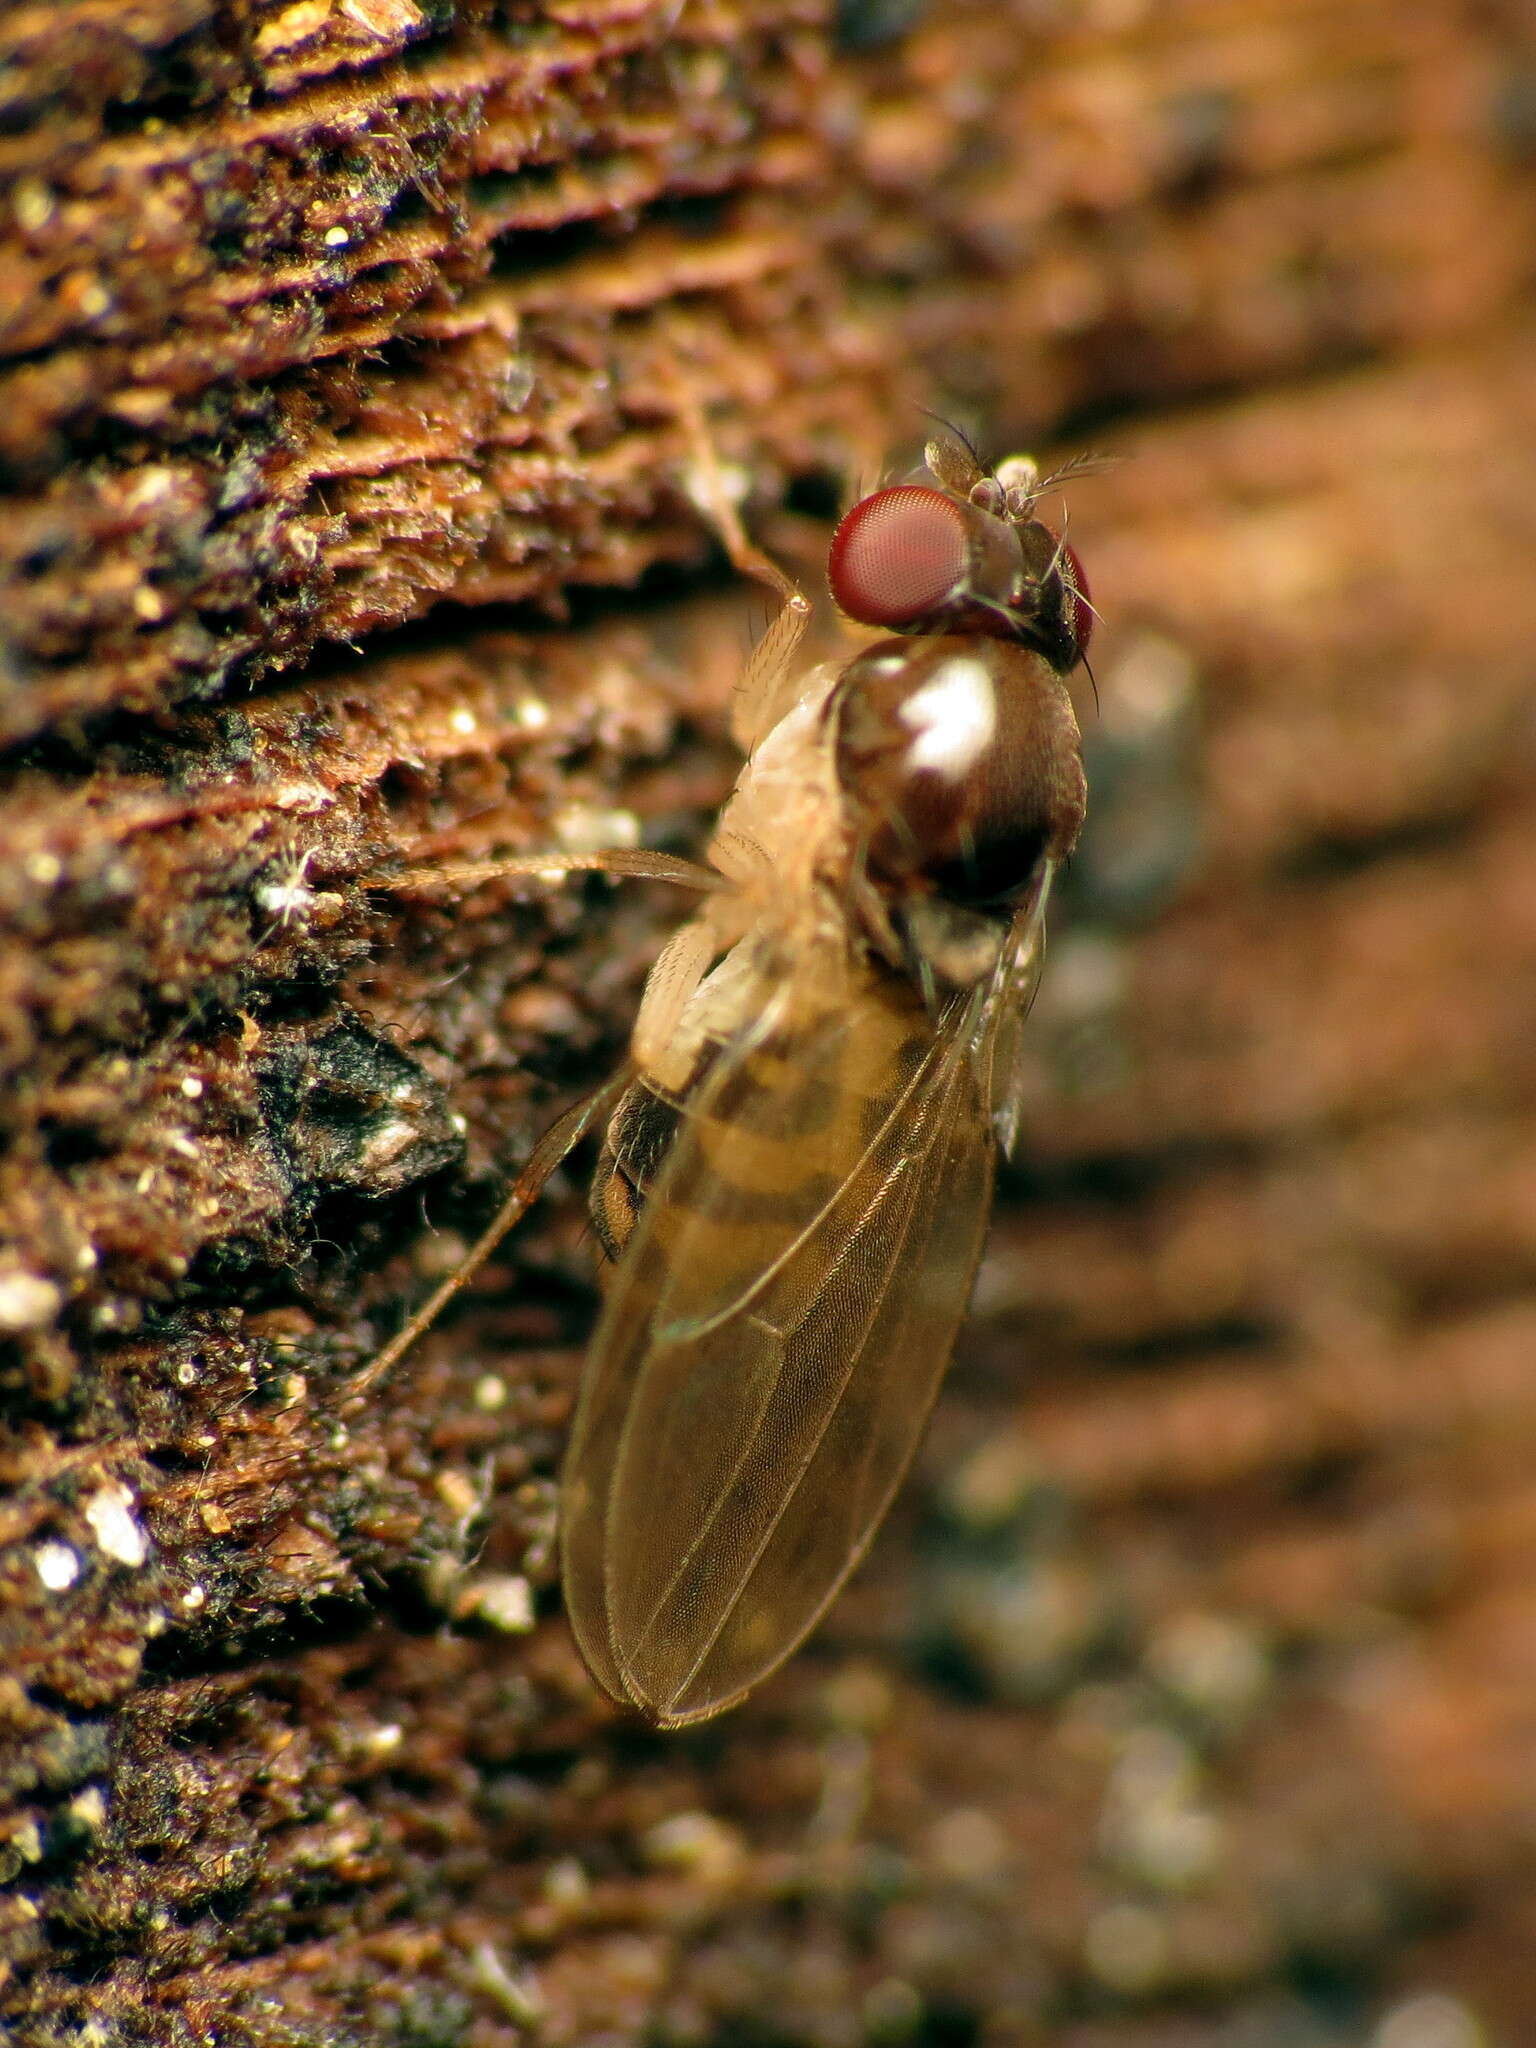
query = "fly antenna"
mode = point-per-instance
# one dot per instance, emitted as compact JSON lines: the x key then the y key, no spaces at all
{"x":960,"y":435}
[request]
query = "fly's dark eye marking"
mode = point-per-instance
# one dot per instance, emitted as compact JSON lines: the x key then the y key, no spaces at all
{"x":898,"y":555}
{"x":1050,"y":606}
{"x":1079,"y":608}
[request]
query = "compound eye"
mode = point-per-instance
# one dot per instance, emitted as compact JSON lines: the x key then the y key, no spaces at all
{"x":1079,"y":609}
{"x":898,"y":556}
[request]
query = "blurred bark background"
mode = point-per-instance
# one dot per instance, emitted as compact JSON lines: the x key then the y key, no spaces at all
{"x":1190,"y":1699}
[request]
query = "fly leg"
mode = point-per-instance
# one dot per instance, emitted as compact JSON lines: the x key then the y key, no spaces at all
{"x":560,"y":1139}
{"x":758,"y":699}
{"x":636,"y":861}
{"x":568,"y":1132}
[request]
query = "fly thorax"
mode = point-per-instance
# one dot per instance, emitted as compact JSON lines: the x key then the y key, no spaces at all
{"x":959,"y":766}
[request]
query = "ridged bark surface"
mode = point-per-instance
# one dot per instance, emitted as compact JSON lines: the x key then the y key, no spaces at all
{"x":352,"y":524}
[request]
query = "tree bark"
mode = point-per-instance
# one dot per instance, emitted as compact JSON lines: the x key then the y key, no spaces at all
{"x":354,"y":528}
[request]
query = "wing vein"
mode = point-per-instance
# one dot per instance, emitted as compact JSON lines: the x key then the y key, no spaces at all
{"x":754,"y":1435}
{"x":689,"y":1329}
{"x":808,"y":1456}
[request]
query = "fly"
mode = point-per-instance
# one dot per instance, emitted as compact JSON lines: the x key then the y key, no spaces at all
{"x":797,"y":1156}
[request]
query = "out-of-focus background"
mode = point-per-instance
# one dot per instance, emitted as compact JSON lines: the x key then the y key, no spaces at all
{"x":353,"y":525}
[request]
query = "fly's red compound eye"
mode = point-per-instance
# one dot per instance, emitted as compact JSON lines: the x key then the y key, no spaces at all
{"x":898,"y":556}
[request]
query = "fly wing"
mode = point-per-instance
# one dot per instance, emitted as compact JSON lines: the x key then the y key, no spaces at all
{"x":1001,"y":1030}
{"x":773,"y":1340}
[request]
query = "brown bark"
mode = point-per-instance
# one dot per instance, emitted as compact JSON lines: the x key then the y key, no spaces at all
{"x":1189,"y":1698}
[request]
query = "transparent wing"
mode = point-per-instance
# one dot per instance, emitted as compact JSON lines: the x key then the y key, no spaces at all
{"x":1001,"y":1030}
{"x":773,"y":1340}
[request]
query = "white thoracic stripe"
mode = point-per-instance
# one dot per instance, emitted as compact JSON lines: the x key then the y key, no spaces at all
{"x":954,"y":716}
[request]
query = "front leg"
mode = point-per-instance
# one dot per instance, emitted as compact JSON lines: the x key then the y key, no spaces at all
{"x":764,"y":689}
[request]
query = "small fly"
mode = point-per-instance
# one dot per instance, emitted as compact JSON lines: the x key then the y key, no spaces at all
{"x":797,"y":1156}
